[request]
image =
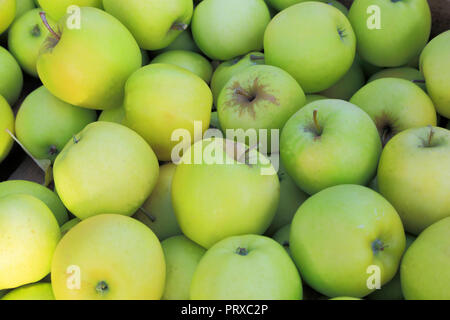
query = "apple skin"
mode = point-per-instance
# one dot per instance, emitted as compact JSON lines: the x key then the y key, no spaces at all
{"x":263,"y":268}
{"x":425,"y":269}
{"x":406,"y":165}
{"x":161,"y":98}
{"x":341,"y":231}
{"x":25,"y":38}
{"x":158,"y":213}
{"x":69,"y":225}
{"x":38,"y":191}
{"x":240,"y":31}
{"x":23,"y":6}
{"x":80,"y":78}
{"x":435,"y":66}
{"x":151,"y":21}
{"x":119,"y":258}
{"x":182,"y":257}
{"x":58,"y":9}
{"x":11,"y":81}
{"x":35,"y":291}
{"x":346,"y":152}
{"x":395,"y":105}
{"x":201,"y":194}
{"x":183,"y":41}
{"x":44,"y":124}
{"x":300,"y":38}
{"x":116,"y":115}
{"x":88,"y":185}
{"x":7,"y":13}
{"x":405,"y":30}
{"x":6,"y":122}
{"x":314,"y":97}
{"x":282,"y":236}
{"x":30,"y":234}
{"x":406,"y":73}
{"x":188,"y":60}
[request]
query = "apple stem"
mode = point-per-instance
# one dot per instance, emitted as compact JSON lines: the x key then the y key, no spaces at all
{"x":256,"y":58}
{"x":47,"y":25}
{"x":243,"y":93}
{"x":430,"y":136}
{"x":179,"y":26}
{"x":316,"y":122}
{"x":53,"y":150}
{"x":148,"y":214}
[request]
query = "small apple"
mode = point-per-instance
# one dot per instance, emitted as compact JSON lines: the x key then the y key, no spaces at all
{"x":89,"y":185}
{"x":35,"y":291}
{"x":6,"y":123}
{"x":116,"y":115}
{"x":330,"y":142}
{"x":183,"y":42}
{"x":11,"y":81}
{"x":300,"y":38}
{"x":29,"y":235}
{"x":44,"y":124}
{"x":115,"y":258}
{"x":182,"y":257}
{"x":58,"y":9}
{"x":69,"y":225}
{"x":7,"y":13}
{"x":414,"y":175}
{"x":340,"y":232}
{"x":282,"y":236}
{"x":222,"y":32}
{"x":390,"y":33}
{"x":78,"y":77}
{"x":406,"y":73}
{"x":248,"y":267}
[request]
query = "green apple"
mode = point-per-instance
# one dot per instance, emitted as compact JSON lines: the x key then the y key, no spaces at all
{"x":11,"y":81}
{"x":6,"y":123}
{"x":368,"y":68}
{"x":215,"y":123}
{"x":283,"y":4}
{"x":226,"y":70}
{"x":390,"y":33}
{"x":435,"y":66}
{"x":300,"y":38}
{"x":425,"y":269}
{"x":395,"y":105}
{"x":35,"y":291}
{"x":182,"y":257}
{"x":154,"y":23}
{"x":346,"y":87}
{"x":69,"y":70}
{"x":29,"y":235}
{"x":337,"y":5}
{"x":406,"y":165}
{"x":69,"y":225}
{"x":7,"y":13}
{"x":248,"y":267}
{"x":38,"y":191}
{"x":340,"y":232}
{"x":224,"y":30}
{"x":112,"y":257}
{"x":406,"y":73}
{"x":161,"y":98}
{"x":44,"y":124}
{"x":330,"y":142}
{"x":58,"y":9}
{"x":314,"y":97}
{"x":235,"y":193}
{"x":23,"y":6}
{"x":157,"y":211}
{"x":188,"y":60}
{"x":25,"y":39}
{"x":184,"y":41}
{"x":282,"y":236}
{"x":105,"y":168}
{"x":116,"y":115}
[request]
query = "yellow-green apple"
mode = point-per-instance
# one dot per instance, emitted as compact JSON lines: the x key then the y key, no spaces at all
{"x":36,"y":190}
{"x":105,"y":168}
{"x":182,"y":257}
{"x":211,"y":173}
{"x":7,"y":13}
{"x":6,"y":123}
{"x":282,"y":236}
{"x":58,"y":9}
{"x":247,"y":267}
{"x":407,"y":73}
{"x":116,"y":115}
{"x":222,"y":32}
{"x":161,"y":98}
{"x":425,"y":269}
{"x":157,"y":211}
{"x":25,"y":39}
{"x":390,"y":33}
{"x":44,"y":124}
{"x":29,"y":235}
{"x":188,"y":60}
{"x":112,"y":257}
{"x":435,"y":66}
{"x":300,"y":38}
{"x":330,"y":142}
{"x":79,"y":77}
{"x":182,"y":42}
{"x":11,"y":81}
{"x":23,"y":6}
{"x":342,"y":236}
{"x":226,"y":70}
{"x":69,"y":225}
{"x":395,"y":105}
{"x":419,"y":199}
{"x":35,"y":291}
{"x":154,"y":23}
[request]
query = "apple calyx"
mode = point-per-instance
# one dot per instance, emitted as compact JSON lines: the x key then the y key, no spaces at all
{"x":378,"y":246}
{"x":341,"y":33}
{"x":75,"y":140}
{"x":254,"y":57}
{"x":56,"y":35}
{"x":148,"y":214}
{"x":102,"y":288}
{"x":242,"y":251}
{"x":36,"y":31}
{"x":53,"y":150}
{"x":179,"y":26}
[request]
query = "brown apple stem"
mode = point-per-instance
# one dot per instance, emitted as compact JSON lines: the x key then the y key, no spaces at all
{"x":316,"y":122}
{"x":430,"y":136}
{"x":256,"y":58}
{"x":243,"y":93}
{"x":179,"y":26}
{"x":47,"y":25}
{"x":150,"y":216}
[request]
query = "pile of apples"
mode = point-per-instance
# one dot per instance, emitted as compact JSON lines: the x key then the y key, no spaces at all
{"x":355,"y":101}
